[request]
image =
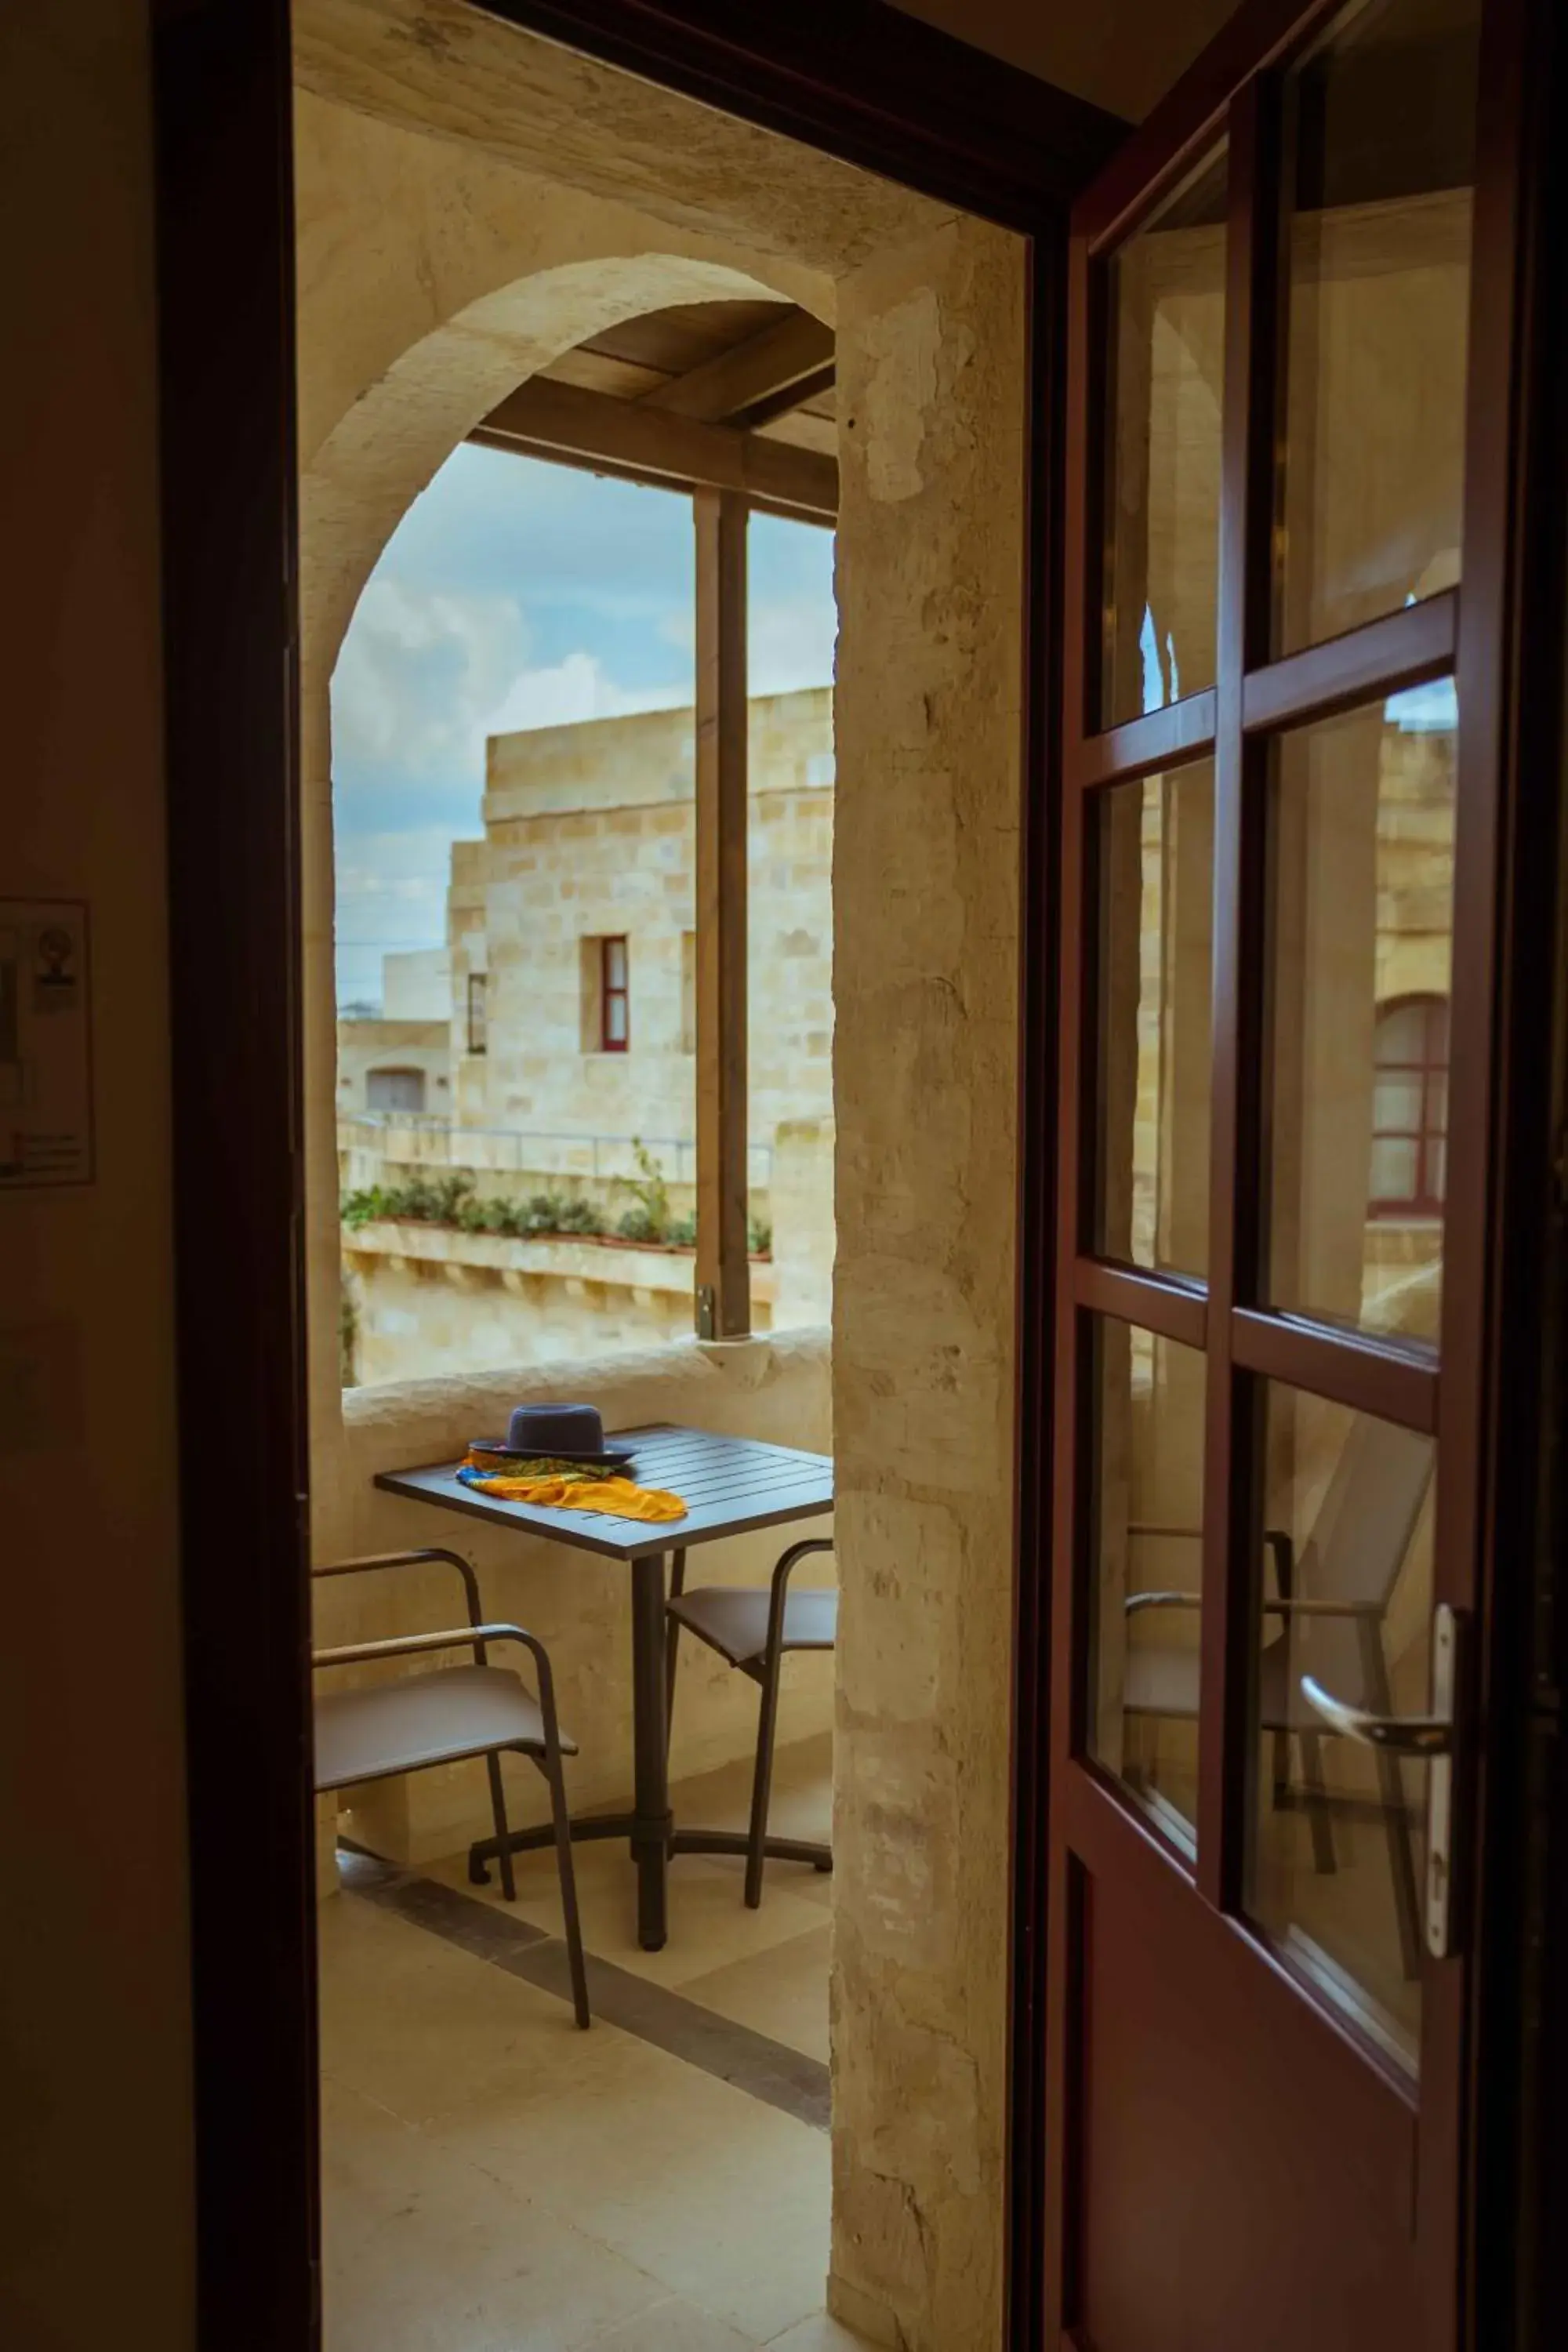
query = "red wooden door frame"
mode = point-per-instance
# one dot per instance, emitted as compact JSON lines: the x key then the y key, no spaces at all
{"x":1482,"y":633}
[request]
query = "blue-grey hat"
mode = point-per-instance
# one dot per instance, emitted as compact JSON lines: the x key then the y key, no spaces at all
{"x":559,"y":1433}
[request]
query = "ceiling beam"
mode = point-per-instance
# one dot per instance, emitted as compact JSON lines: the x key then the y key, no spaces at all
{"x":758,"y":373}
{"x":561,"y":421}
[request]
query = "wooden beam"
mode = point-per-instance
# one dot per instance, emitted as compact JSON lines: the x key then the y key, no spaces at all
{"x":794,"y":397}
{"x":723,"y":1302}
{"x":793,"y":350}
{"x":546,"y":419}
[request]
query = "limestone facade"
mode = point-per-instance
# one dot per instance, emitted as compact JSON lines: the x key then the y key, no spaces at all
{"x":393,"y":1066}
{"x":589,"y":835}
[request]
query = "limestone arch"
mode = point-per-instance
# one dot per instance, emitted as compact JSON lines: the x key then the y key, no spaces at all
{"x":358,"y":482}
{"x":386,"y":447}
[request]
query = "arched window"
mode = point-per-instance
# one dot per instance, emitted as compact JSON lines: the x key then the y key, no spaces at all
{"x":394,"y":1091}
{"x":1410,"y":1108}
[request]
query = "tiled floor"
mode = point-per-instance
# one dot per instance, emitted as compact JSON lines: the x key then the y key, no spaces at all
{"x":496,"y":2181}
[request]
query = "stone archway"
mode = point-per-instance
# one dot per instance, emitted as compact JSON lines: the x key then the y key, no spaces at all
{"x":362,"y":478}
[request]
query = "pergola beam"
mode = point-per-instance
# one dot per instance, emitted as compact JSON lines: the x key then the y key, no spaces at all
{"x":773,"y":370}
{"x":563,"y":422}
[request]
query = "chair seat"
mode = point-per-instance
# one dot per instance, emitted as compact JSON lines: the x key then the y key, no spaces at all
{"x":733,"y":1619}
{"x":431,"y":1719}
{"x":1164,"y":1681}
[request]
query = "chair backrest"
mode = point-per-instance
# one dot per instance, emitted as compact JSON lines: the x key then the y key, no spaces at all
{"x":1368,"y":1513}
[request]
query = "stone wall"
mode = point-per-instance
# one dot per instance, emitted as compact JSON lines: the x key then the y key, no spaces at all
{"x":925,"y":986}
{"x":367,"y":1046}
{"x":431,"y":1299}
{"x":590,"y":833}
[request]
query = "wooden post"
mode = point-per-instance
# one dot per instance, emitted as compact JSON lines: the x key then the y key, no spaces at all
{"x":723,"y":1302}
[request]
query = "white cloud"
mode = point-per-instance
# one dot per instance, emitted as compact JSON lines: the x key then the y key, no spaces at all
{"x":426,"y":674}
{"x":790,"y":644}
{"x":576,"y":688}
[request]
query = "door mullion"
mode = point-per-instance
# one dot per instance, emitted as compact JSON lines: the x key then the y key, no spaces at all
{"x":1245,"y":589}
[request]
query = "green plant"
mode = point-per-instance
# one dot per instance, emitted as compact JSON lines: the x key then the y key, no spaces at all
{"x":649,"y":1220}
{"x":348,"y":1337}
{"x":577,"y":1217}
{"x":759,"y":1237}
{"x":452,"y":1201}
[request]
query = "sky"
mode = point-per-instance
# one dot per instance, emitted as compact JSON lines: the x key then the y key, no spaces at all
{"x":516,"y":594}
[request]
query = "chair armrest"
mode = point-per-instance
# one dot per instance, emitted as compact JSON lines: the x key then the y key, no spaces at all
{"x":409,"y":1560}
{"x":408,"y":1645}
{"x":1137,"y":1601}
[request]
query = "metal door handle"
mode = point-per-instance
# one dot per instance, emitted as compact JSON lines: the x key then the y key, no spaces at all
{"x":1436,"y":1739}
{"x":1405,"y":1734}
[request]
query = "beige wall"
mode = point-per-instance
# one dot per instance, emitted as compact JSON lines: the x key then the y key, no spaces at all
{"x":96,"y":2222}
{"x":926,"y":887}
{"x":431,"y":1299}
{"x":367,"y":1046}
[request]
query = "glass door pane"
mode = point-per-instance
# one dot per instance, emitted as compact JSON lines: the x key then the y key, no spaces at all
{"x":1154,"y":850}
{"x":1380,"y":130}
{"x":1343,"y":1592}
{"x":1360,"y":956}
{"x":1146,"y":1570}
{"x":1164,"y":388}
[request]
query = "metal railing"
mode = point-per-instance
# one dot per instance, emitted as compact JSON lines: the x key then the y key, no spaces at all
{"x":534,"y":1152}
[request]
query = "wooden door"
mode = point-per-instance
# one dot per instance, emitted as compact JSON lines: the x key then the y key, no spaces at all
{"x":1289,"y":491}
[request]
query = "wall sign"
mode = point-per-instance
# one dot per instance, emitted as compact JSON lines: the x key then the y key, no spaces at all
{"x":46,"y":1044}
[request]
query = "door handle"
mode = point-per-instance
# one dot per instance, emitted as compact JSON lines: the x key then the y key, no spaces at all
{"x":1434,"y":1739}
{"x":1404,"y":1735}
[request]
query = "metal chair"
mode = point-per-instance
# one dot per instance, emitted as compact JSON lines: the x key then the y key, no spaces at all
{"x":1330,"y":1600}
{"x":450,"y":1713}
{"x":752,"y":1630}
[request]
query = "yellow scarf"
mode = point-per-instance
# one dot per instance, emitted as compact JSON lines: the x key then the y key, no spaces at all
{"x":620,"y":1498}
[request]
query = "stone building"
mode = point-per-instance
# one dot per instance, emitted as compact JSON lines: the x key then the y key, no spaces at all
{"x":573,"y":932}
{"x":571,"y":1043}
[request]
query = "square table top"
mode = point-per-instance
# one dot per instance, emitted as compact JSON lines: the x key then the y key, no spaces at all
{"x":728,"y":1484}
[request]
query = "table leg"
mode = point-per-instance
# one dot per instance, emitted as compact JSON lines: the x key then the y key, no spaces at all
{"x":652,"y":1821}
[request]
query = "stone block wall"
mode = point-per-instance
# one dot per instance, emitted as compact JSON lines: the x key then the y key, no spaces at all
{"x":589,"y":834}
{"x":926,"y":885}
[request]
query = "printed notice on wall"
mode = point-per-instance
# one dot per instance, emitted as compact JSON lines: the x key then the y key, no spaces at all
{"x":46,"y":1059}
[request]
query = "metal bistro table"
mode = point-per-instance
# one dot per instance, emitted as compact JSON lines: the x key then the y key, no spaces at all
{"x":729,"y":1485}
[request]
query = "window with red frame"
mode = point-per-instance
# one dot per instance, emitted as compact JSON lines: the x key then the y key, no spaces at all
{"x":615,"y":997}
{"x":1410,"y":1108}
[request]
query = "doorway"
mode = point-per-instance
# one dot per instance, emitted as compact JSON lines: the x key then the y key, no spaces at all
{"x":486,"y":287}
{"x":226,"y":238}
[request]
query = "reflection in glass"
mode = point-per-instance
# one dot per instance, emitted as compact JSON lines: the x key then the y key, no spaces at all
{"x":1361,"y":917}
{"x":1154,"y":855}
{"x":1164,"y":370}
{"x":1344,"y":1594}
{"x":1381,"y":121}
{"x":1146,"y":1570}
